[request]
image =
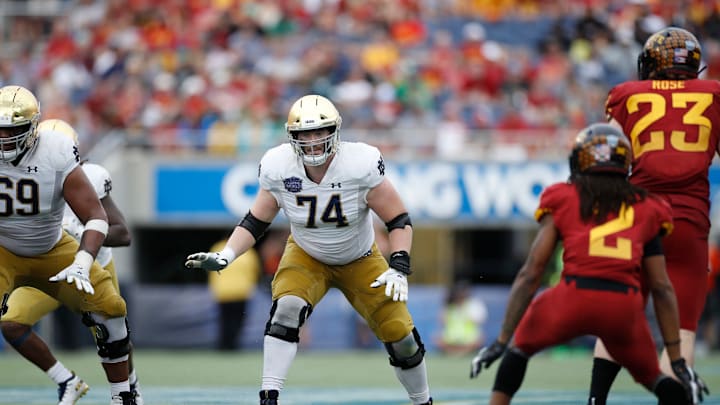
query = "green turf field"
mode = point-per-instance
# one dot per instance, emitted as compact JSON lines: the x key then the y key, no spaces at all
{"x":356,"y":378}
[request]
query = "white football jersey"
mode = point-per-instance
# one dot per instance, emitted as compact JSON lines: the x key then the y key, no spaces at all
{"x":331,"y":221}
{"x":102,"y":183}
{"x":31,"y":195}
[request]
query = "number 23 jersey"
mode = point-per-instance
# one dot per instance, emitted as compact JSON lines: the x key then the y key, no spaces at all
{"x":331,"y":220}
{"x":674,"y":127}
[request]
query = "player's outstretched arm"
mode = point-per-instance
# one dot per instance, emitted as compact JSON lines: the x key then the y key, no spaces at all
{"x":243,"y":237}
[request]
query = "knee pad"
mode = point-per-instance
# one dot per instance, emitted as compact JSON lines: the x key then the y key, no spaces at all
{"x":407,"y":352}
{"x":112,"y":337}
{"x":287,"y":315}
{"x":511,"y":372}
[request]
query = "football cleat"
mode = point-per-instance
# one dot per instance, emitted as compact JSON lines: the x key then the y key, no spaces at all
{"x":269,"y":397}
{"x":137,"y":394}
{"x":124,"y":398}
{"x":71,"y":390}
{"x":430,"y":402}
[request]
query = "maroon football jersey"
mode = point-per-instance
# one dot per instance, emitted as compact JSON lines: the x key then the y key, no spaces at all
{"x":673,"y":126}
{"x":612,"y":250}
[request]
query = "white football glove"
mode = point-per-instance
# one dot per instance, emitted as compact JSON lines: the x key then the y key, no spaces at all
{"x":396,"y":284}
{"x":213,"y":261}
{"x":74,"y":227}
{"x":78,"y":272}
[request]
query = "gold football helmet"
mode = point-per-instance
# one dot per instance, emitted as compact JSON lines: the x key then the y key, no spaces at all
{"x":58,"y":125}
{"x":20,"y":112}
{"x":310,"y":113}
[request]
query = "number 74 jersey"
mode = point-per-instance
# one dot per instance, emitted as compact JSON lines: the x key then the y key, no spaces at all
{"x":329,"y":220}
{"x":674,"y":127}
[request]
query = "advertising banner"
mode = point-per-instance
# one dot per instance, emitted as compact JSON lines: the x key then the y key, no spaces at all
{"x":445,"y":193}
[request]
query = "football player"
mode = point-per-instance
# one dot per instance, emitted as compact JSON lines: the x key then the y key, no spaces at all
{"x":39,"y":174}
{"x":27,"y":305}
{"x":609,"y":228}
{"x":673,"y":120}
{"x":327,"y":189}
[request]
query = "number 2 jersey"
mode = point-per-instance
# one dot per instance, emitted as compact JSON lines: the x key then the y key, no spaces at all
{"x":331,"y":220}
{"x":612,"y":250}
{"x":674,"y":127}
{"x":31,"y":195}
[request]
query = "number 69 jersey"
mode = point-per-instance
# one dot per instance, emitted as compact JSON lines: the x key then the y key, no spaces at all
{"x":674,"y":127}
{"x":31,"y":195}
{"x":612,"y":250}
{"x":331,"y":220}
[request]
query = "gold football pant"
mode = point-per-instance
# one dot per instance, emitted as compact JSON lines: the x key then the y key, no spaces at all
{"x":301,"y":275}
{"x":29,"y":306}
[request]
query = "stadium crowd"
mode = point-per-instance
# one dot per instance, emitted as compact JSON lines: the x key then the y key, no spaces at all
{"x":219,"y":74}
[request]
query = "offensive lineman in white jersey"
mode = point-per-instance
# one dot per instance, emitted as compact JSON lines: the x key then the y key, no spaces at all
{"x":326,"y":188}
{"x":27,"y":305}
{"x":39,"y":173}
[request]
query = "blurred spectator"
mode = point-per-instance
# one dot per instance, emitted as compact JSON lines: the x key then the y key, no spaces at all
{"x":232,"y":289}
{"x":183,"y":74}
{"x":451,"y":132}
{"x":463,"y":319}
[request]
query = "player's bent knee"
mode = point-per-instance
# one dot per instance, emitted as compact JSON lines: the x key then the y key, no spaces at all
{"x":511,"y":372}
{"x":116,"y":309}
{"x":112,"y":337}
{"x":15,"y":333}
{"x":669,"y":391}
{"x":287,"y":315}
{"x":407,"y":352}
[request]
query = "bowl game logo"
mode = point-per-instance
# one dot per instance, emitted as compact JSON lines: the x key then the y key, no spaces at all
{"x":293,"y":184}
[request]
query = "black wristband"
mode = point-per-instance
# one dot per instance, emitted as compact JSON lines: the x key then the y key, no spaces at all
{"x":400,"y":261}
